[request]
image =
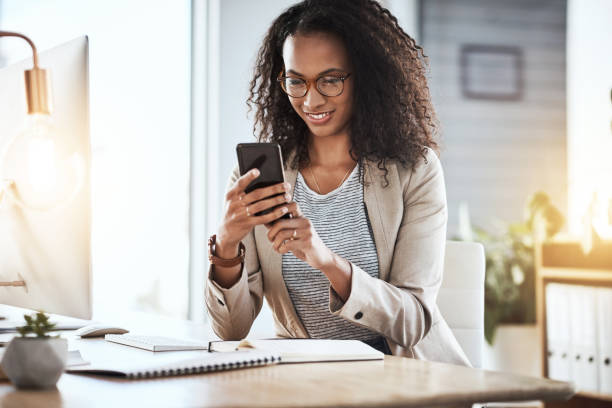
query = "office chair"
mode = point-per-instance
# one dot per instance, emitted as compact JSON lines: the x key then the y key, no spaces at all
{"x":461,"y":296}
{"x":461,"y":299}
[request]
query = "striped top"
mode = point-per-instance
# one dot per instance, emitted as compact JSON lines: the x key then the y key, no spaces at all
{"x":340,"y":219}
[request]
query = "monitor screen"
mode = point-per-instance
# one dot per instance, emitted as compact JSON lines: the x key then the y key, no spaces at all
{"x":47,"y":246}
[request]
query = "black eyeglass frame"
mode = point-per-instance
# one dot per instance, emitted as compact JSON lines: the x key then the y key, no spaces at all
{"x":281,"y":80}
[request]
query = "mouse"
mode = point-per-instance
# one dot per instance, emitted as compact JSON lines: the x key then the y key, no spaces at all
{"x":99,"y":330}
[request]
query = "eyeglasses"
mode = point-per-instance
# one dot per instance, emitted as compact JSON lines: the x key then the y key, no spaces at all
{"x":327,"y":85}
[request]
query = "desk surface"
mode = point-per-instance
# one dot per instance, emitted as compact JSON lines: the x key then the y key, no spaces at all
{"x":396,"y":381}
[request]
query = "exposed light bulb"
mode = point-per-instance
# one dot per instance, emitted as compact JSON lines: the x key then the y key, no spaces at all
{"x":46,"y":172}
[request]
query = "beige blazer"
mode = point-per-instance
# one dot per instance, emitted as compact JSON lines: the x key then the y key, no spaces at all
{"x":408,"y":219}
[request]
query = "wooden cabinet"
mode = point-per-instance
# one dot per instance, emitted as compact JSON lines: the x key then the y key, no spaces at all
{"x":565,"y":263}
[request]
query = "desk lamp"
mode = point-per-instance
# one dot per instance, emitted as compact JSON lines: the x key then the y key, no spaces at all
{"x":38,"y":170}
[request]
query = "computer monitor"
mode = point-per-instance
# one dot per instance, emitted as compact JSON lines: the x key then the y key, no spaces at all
{"x":49,"y":250}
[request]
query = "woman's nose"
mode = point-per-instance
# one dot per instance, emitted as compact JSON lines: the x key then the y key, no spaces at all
{"x":313,"y":98}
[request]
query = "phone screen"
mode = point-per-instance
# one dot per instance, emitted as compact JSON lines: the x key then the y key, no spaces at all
{"x":263,"y":156}
{"x":267,"y":158}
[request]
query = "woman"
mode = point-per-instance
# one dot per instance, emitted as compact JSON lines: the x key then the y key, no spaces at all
{"x":342,"y":89}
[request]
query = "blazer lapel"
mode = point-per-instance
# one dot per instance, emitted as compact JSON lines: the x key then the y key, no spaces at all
{"x":385,"y":208}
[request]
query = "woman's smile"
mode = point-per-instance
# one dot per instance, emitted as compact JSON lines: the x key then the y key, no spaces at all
{"x":319,"y":118}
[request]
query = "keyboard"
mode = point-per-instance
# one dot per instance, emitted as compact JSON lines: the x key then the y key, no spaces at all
{"x":155,"y":343}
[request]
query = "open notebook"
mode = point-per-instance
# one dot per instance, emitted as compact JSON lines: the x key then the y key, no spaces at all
{"x":176,"y":365}
{"x":304,"y":350}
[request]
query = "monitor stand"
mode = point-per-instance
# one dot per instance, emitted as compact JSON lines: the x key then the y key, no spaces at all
{"x":19,"y":283}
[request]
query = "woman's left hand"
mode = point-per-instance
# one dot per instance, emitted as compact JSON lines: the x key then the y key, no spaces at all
{"x":298,"y":235}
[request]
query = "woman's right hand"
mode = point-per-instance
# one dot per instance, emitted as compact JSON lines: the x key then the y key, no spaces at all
{"x":240,"y":208}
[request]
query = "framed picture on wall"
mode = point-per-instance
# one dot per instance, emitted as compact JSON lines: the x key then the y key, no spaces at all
{"x":492,"y":72}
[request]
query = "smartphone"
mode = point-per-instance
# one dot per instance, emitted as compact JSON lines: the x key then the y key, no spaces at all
{"x":267,"y":158}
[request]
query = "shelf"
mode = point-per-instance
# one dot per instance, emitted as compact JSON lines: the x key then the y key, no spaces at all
{"x":570,"y":254}
{"x":576,"y":275}
{"x":564,"y":262}
{"x":595,"y":395}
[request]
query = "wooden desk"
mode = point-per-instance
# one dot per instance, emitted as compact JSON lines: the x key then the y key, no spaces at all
{"x":396,"y":381}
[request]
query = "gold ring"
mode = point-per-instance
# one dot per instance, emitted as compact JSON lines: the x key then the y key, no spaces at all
{"x":247,"y":211}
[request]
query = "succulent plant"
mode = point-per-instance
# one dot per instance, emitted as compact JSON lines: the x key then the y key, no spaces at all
{"x":37,"y":325}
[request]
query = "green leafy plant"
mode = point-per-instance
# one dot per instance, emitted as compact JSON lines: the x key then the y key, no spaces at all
{"x":510,"y":263}
{"x":37,"y":325}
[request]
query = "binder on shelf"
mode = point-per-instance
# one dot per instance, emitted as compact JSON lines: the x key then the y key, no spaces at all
{"x":583,"y":323}
{"x":558,"y":330}
{"x":591,"y":334}
{"x":604,"y":318}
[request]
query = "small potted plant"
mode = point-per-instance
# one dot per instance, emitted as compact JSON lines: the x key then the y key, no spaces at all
{"x":35,"y":360}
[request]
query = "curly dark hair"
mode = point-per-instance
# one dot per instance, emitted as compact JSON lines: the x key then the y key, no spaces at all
{"x":393,"y":117}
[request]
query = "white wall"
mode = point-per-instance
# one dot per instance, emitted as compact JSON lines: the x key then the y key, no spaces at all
{"x":589,"y":109}
{"x":407,"y":14}
{"x":496,"y":153}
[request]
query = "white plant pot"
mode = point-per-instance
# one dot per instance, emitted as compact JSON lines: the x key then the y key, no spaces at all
{"x":35,"y":362}
{"x":516,"y":349}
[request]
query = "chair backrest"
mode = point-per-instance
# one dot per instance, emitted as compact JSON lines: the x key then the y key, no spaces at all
{"x":461,"y":296}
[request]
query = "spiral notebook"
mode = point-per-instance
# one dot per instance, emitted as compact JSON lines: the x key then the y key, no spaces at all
{"x":207,"y":362}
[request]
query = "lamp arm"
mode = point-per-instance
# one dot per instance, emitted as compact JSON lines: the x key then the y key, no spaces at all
{"x":18,"y":35}
{"x":38,"y":91}
{"x":20,"y":283}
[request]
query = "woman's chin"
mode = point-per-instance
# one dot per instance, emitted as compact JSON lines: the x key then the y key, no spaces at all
{"x":323,"y":131}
